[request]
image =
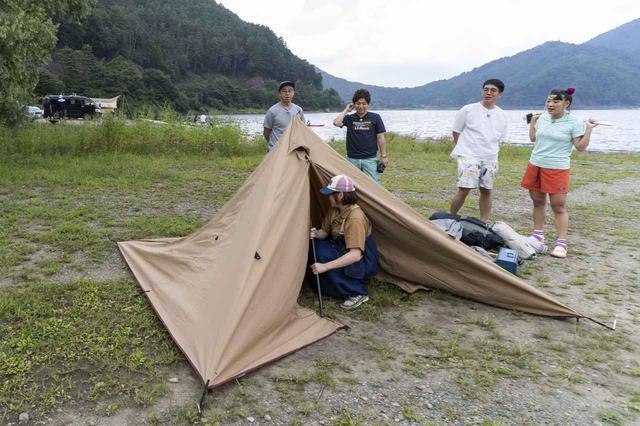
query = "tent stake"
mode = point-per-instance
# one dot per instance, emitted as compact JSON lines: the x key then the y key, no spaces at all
{"x":204,"y":394}
{"x":315,"y":260}
{"x":603,"y":324}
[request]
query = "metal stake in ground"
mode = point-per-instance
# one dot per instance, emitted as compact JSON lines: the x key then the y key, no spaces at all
{"x":315,"y":260}
{"x":204,"y":394}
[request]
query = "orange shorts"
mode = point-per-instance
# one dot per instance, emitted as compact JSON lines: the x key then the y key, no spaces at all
{"x":549,"y":181}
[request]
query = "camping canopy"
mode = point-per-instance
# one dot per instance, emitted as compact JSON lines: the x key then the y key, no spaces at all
{"x":107,"y":104}
{"x":228,"y":292}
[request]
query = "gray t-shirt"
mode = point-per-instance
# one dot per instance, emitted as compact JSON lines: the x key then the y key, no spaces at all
{"x":278,"y":119}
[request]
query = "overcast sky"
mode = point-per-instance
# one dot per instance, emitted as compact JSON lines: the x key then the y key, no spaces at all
{"x":412,"y":42}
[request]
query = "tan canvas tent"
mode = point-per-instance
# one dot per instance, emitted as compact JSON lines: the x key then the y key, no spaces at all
{"x":227,"y":293}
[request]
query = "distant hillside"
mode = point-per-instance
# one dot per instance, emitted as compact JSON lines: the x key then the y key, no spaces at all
{"x":626,"y":37}
{"x":605,"y":72}
{"x":385,"y":97}
{"x":193,"y":55}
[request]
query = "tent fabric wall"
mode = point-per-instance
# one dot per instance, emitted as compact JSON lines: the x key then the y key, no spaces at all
{"x":228,"y":292}
{"x":228,"y":311}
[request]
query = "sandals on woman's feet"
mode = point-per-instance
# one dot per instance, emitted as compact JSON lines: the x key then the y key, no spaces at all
{"x":559,"y":251}
{"x":538,"y":236}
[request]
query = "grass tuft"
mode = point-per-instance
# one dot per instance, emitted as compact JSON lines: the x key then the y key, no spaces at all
{"x":89,"y":341}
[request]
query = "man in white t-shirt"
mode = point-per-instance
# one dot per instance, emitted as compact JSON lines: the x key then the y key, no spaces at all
{"x":478,"y":130}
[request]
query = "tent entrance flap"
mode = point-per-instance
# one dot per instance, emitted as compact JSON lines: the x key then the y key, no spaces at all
{"x":319,"y":204}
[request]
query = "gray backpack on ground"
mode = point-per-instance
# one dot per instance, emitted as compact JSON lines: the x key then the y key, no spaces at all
{"x":450,"y":226}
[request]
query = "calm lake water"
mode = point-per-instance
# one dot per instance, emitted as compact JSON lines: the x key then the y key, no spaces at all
{"x":623,"y":135}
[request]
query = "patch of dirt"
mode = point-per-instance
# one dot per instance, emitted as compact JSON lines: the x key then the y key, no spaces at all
{"x":572,"y":374}
{"x":82,"y":267}
{"x":178,"y":393}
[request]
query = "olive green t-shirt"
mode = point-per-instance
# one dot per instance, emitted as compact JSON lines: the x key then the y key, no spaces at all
{"x":352,"y":223}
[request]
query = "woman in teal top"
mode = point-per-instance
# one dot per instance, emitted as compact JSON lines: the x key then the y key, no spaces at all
{"x":554,"y":134}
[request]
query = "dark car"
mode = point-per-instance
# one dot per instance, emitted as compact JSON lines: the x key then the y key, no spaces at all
{"x":70,"y":106}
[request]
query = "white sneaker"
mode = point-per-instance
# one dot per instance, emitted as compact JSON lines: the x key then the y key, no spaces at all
{"x":354,"y":301}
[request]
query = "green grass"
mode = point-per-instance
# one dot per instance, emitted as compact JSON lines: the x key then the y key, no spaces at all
{"x":410,"y":415}
{"x":117,"y":136}
{"x":611,"y":419}
{"x":347,"y":418}
{"x":69,"y":192}
{"x":83,"y":341}
{"x":381,"y":297}
{"x":633,"y":405}
{"x":415,"y":365}
{"x":65,"y":206}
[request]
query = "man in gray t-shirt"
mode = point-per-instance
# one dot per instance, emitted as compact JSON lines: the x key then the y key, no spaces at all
{"x":280,"y":115}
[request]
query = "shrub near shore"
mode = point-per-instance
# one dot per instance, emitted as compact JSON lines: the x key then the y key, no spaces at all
{"x":76,"y":333}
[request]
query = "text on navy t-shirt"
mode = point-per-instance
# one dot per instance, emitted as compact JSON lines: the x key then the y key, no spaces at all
{"x":361,"y":134}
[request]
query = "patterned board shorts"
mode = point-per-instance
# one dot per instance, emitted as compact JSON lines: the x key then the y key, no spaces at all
{"x":474,"y":173}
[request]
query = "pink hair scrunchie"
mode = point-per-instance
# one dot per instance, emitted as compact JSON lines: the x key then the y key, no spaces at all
{"x":571,"y":90}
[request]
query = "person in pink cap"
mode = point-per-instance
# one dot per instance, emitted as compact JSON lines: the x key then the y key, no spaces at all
{"x":347,"y":257}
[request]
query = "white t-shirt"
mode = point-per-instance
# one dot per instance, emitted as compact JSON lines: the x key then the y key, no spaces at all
{"x":481,"y":131}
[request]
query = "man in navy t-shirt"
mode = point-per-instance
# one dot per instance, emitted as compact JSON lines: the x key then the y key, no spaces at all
{"x":365,"y":135}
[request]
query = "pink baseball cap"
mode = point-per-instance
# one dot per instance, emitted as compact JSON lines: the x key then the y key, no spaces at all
{"x":339,"y":183}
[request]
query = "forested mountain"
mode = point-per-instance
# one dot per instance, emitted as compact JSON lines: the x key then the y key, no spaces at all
{"x":381,"y":97}
{"x":198,"y":55}
{"x":194,"y":55}
{"x":626,"y":37}
{"x":604,"y":70}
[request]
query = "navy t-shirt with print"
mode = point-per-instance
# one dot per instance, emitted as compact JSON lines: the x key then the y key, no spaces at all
{"x":361,"y":134}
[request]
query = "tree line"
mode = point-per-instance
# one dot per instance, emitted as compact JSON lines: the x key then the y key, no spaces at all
{"x":192,"y":56}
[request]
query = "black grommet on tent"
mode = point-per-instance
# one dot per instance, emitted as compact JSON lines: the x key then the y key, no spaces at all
{"x":257,"y":256}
